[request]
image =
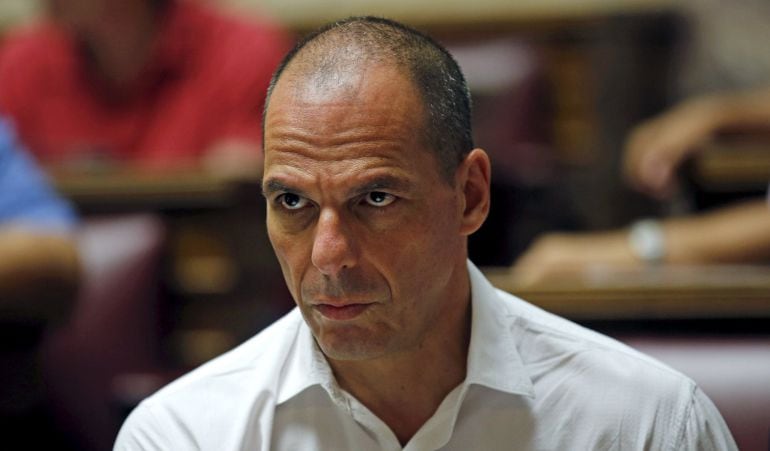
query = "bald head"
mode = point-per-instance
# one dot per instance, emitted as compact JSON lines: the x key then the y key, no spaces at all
{"x":331,"y":61}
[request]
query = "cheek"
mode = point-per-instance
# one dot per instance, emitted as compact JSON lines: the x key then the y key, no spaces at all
{"x":288,"y":251}
{"x":418,"y":251}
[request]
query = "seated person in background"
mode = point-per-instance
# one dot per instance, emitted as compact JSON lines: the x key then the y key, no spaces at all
{"x":654,"y":152}
{"x":373,"y":185}
{"x":38,"y":258}
{"x":158,"y":84}
{"x":39,"y":274}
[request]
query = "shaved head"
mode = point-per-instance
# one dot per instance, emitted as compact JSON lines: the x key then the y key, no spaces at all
{"x":332,"y":59}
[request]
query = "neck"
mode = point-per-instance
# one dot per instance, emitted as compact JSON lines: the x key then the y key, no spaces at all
{"x":118,"y":54}
{"x":406,"y":389}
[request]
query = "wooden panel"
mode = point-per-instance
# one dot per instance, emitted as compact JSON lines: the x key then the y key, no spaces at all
{"x":738,"y":164}
{"x":649,"y":293}
{"x":131,"y":190}
{"x":220,"y":278}
{"x":311,"y":13}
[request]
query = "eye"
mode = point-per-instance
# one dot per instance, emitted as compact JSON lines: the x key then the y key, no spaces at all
{"x":291,"y":201}
{"x":379,"y":199}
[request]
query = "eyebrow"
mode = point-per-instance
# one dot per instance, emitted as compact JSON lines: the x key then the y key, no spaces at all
{"x":385,"y":182}
{"x":274,"y":186}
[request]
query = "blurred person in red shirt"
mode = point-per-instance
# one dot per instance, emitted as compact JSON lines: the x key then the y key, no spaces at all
{"x":152,"y":84}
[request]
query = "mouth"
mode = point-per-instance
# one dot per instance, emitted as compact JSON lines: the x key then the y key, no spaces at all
{"x":341,"y":312}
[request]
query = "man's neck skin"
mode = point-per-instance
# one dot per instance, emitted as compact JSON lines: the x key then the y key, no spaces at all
{"x":405,"y":390}
{"x":118,"y":54}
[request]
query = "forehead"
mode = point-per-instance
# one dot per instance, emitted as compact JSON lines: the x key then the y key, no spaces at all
{"x":364,"y":112}
{"x":373,"y":89}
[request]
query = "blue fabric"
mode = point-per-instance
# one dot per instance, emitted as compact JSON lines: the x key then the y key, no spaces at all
{"x":26,"y":197}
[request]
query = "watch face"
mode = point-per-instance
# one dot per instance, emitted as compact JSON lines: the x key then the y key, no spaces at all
{"x":647,"y":241}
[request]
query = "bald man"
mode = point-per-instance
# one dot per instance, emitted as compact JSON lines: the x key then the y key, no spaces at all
{"x":373,"y":185}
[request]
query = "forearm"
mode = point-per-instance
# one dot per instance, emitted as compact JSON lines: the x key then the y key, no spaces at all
{"x":735,"y":234}
{"x":234,"y":158}
{"x":742,"y":110}
{"x":39,"y":273}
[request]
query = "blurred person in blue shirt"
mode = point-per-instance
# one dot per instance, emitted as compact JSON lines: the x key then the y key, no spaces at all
{"x":39,"y":274}
{"x":38,"y":257}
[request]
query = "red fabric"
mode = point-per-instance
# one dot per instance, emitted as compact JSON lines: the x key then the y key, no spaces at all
{"x":206,"y":82}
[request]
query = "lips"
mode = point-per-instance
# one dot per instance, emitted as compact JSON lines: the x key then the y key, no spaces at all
{"x":341,"y":312}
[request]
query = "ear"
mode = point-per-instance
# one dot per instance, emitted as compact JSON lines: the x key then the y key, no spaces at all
{"x":473,"y":177}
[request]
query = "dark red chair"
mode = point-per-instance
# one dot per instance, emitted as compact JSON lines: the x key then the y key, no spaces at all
{"x":113,"y":328}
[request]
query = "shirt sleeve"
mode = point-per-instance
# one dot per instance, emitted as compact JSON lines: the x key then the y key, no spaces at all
{"x":245,"y":72}
{"x":26,"y":196}
{"x":705,"y":429}
{"x":21,"y":69}
{"x":11,"y":79}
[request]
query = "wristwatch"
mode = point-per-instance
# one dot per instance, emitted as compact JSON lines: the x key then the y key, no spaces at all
{"x":647,"y":241}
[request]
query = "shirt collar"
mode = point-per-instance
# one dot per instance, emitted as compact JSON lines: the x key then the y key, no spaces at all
{"x":305,"y":367}
{"x":493,"y":357}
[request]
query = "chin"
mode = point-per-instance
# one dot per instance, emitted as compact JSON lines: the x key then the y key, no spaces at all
{"x":359,"y":345}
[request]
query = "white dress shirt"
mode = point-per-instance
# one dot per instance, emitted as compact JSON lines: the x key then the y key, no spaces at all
{"x":535,"y":382}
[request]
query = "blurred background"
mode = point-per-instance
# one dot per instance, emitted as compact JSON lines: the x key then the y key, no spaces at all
{"x":175,"y":266}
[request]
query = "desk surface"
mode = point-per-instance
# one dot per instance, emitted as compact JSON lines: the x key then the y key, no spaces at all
{"x":734,"y":165}
{"x":120,"y":190}
{"x":649,"y":293}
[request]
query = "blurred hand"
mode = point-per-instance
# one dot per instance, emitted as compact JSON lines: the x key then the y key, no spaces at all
{"x":559,"y":253}
{"x":656,"y":148}
{"x":234,"y":159}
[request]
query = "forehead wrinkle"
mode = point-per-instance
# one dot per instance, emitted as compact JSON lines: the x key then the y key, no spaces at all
{"x":307,"y":144}
{"x":353,"y":176}
{"x":291,"y":133}
{"x":309,"y":165}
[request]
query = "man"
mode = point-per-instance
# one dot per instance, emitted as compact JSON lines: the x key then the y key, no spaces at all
{"x":373,"y":186}
{"x":155,"y":84}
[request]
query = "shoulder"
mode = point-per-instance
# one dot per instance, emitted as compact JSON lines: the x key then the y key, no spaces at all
{"x":543,"y":333}
{"x":32,"y":61}
{"x":224,"y":396}
{"x":237,"y":54}
{"x":564,"y":356}
{"x":599,"y":379}
{"x":596,"y":379}
{"x":34,"y":45}
{"x":220,"y":26}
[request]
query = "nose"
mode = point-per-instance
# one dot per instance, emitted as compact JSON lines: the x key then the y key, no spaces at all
{"x":334,"y":246}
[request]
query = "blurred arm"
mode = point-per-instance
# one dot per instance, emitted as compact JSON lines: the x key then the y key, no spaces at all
{"x":656,"y":148}
{"x":235,"y":158}
{"x":38,"y":273}
{"x":735,"y":234}
{"x":38,"y":259}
